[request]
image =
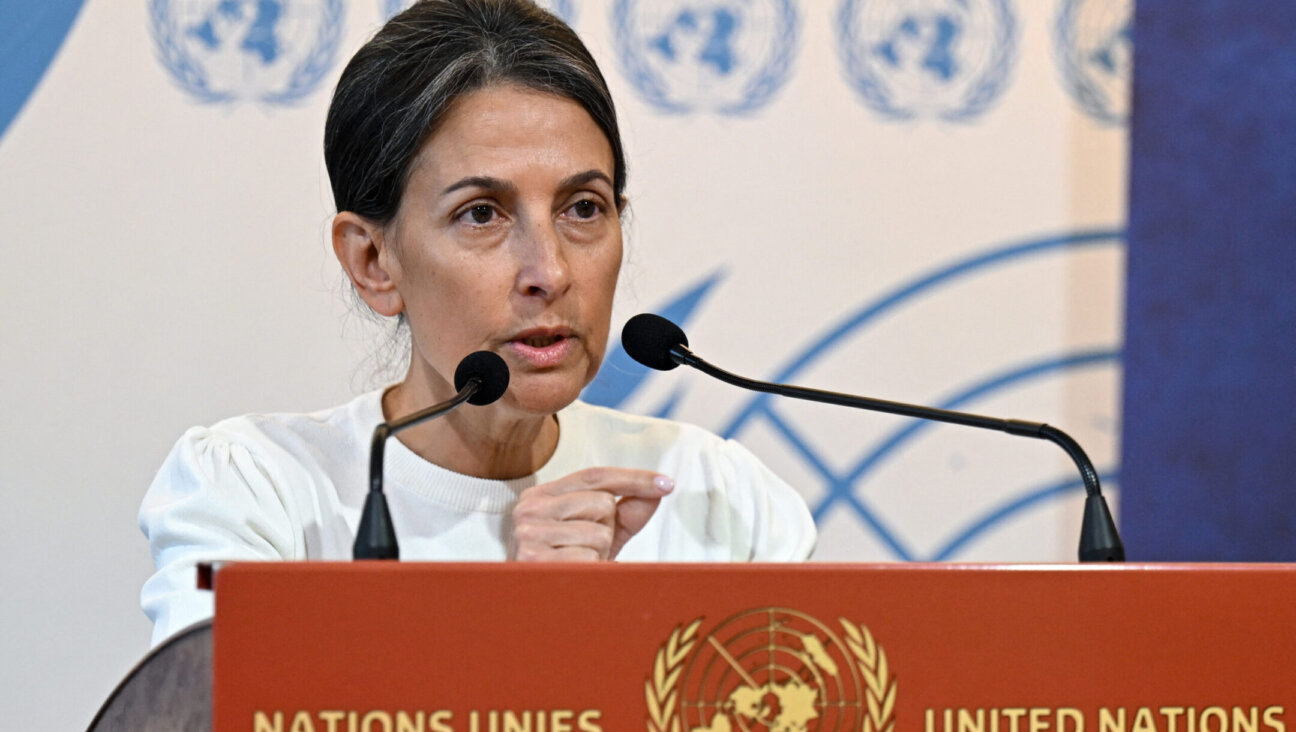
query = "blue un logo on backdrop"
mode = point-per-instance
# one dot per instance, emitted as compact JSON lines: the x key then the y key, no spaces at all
{"x":725,"y":56}
{"x":911,"y":59}
{"x":268,"y":51}
{"x":1095,"y":50}
{"x":860,"y":484}
{"x":565,"y":9}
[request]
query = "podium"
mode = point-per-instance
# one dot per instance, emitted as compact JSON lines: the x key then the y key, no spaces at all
{"x":397,"y":647}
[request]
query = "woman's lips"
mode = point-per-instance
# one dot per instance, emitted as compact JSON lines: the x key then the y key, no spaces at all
{"x":542,"y":349}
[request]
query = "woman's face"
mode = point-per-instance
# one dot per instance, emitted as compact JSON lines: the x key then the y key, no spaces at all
{"x":508,"y":239}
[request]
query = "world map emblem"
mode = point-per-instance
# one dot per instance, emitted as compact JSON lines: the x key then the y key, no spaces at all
{"x":271,"y":52}
{"x":916,"y":59}
{"x":721,"y":56}
{"x":1095,"y":51}
{"x":772,"y":669}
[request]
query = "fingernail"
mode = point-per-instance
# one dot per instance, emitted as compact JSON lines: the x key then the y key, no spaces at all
{"x":664,"y":484}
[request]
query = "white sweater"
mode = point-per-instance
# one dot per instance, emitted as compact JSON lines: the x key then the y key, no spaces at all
{"x":291,"y":486}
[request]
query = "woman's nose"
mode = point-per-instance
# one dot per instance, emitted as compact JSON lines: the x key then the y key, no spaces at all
{"x":544,"y":270}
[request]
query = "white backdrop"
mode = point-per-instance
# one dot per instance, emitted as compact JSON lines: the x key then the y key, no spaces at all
{"x":920,"y":200}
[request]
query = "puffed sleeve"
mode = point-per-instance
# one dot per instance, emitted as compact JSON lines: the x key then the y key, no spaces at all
{"x":781,"y":525}
{"x":215,"y":498}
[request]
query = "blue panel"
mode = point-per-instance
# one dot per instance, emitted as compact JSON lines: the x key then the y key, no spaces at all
{"x":30,"y":35}
{"x":1209,"y":447}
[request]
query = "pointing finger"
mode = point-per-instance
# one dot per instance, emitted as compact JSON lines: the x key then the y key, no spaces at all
{"x":617,"y":481}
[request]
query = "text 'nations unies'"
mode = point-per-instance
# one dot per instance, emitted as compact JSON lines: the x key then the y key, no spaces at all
{"x":337,"y":720}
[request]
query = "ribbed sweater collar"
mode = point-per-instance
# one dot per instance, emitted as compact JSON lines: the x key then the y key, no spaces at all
{"x":407,"y":471}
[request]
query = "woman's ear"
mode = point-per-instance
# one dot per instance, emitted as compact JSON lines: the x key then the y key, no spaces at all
{"x":368,"y":261}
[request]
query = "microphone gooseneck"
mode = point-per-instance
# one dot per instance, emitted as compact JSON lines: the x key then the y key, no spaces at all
{"x":481,"y":378}
{"x":659,"y":344}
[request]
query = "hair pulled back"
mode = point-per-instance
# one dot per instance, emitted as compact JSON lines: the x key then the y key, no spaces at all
{"x":398,"y":87}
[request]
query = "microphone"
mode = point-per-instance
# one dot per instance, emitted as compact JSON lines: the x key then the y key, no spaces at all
{"x":481,"y":378}
{"x":659,"y":344}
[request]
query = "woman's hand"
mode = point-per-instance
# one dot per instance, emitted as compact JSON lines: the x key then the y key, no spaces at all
{"x":586,"y":516}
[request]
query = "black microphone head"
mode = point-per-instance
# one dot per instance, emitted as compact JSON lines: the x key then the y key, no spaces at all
{"x":649,"y":338}
{"x":490,"y":369}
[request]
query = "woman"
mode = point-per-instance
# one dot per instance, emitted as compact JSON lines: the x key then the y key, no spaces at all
{"x":477,"y":167}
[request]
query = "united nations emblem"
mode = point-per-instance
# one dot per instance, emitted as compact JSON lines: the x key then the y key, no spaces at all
{"x":773,"y":669}
{"x":565,"y":9}
{"x":267,"y":51}
{"x":908,"y":59}
{"x":724,"y":56}
{"x":1095,"y":52}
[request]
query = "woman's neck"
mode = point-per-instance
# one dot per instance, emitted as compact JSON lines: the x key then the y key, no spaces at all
{"x":484,"y":442}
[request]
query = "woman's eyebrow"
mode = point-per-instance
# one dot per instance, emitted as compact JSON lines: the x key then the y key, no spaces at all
{"x":481,"y":181}
{"x":497,"y":185}
{"x":581,"y":179}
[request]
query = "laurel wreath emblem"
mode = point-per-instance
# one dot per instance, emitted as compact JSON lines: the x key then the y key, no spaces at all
{"x":872,"y":86}
{"x":662,"y":690}
{"x":871,"y":661}
{"x":189,"y":74}
{"x":772,"y":74}
{"x":1096,"y":102}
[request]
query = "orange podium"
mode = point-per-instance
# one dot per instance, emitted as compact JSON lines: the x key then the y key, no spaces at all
{"x":404,"y":647}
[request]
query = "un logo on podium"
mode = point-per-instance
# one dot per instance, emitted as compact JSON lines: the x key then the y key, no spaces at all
{"x":728,"y":57}
{"x":910,"y":59}
{"x":268,"y":51}
{"x":772,"y":669}
{"x":1095,"y":51}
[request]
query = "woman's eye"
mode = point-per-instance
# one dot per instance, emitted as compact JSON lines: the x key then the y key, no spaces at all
{"x":481,"y":214}
{"x":585,"y":209}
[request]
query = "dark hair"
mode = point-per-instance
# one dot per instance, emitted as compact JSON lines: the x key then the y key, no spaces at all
{"x":399,"y":86}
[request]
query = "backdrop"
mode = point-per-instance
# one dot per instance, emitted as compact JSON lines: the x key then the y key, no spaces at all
{"x":1211,"y":386}
{"x":920,"y":200}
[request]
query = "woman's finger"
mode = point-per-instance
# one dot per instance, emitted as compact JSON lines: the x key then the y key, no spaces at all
{"x":617,"y":481}
{"x":581,"y":506}
{"x":631,"y":516}
{"x":559,"y":514}
{"x":536,"y":540}
{"x":558,"y":554}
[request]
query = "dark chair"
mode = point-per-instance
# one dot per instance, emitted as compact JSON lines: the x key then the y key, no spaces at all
{"x":170,"y":690}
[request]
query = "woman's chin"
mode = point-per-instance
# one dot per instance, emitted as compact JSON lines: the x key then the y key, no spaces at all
{"x":541,"y":396}
{"x":543,"y":392}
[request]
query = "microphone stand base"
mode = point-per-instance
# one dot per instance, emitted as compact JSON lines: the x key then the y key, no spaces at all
{"x":1099,"y":540}
{"x":376,"y":537}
